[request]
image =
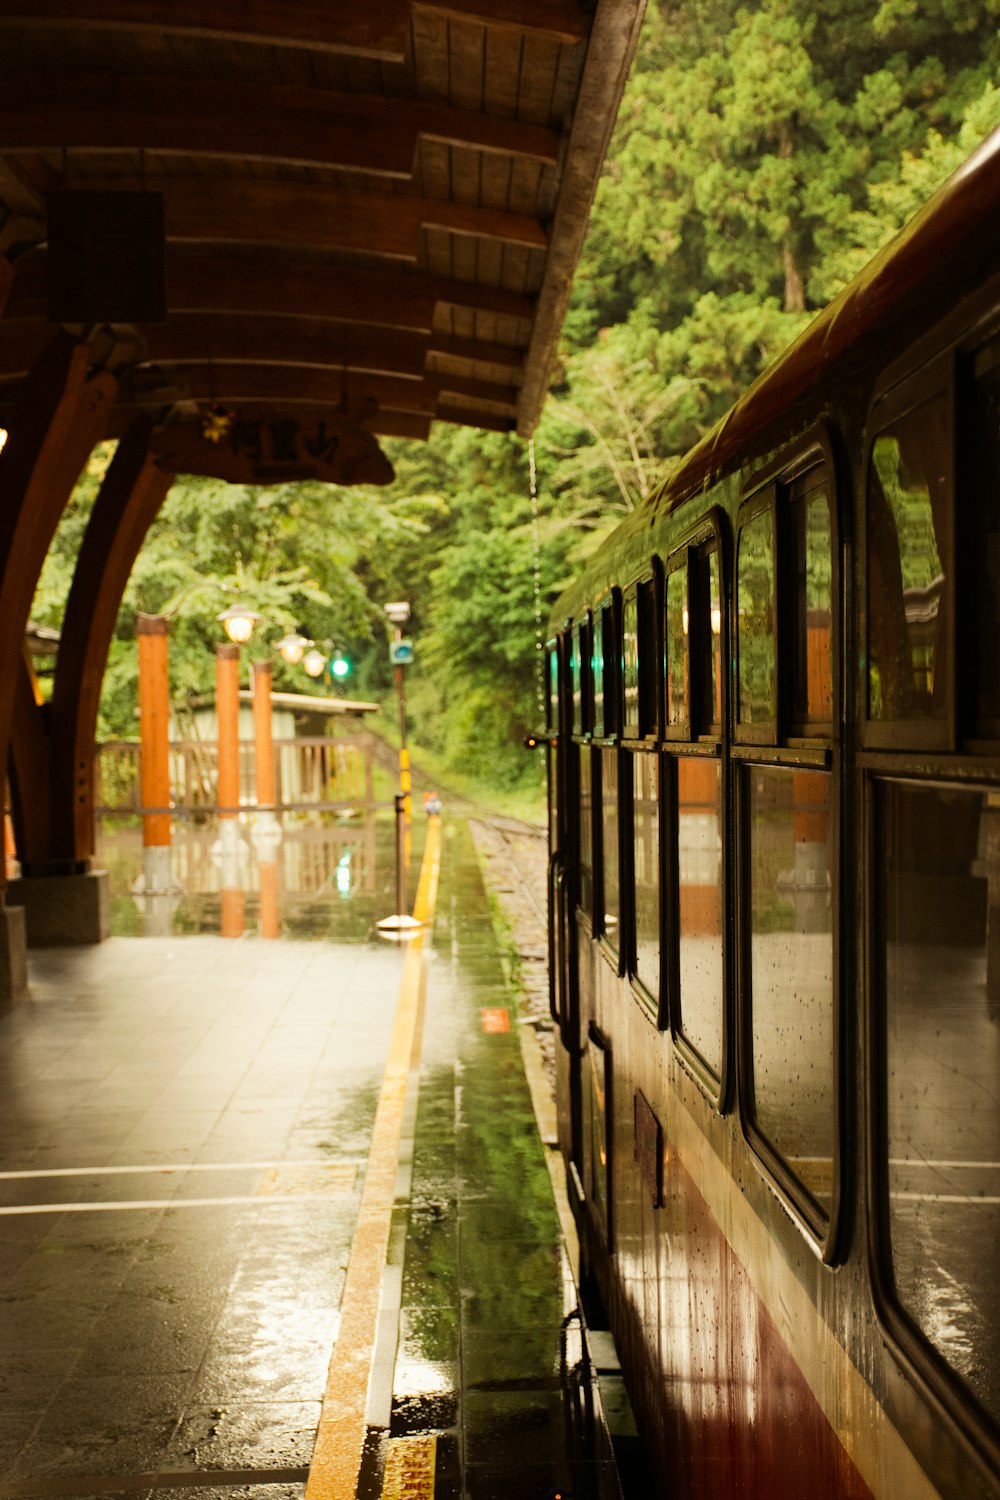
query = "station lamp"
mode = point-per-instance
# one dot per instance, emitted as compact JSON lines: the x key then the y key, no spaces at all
{"x":293,"y":647}
{"x":314,"y":662}
{"x":238,"y":621}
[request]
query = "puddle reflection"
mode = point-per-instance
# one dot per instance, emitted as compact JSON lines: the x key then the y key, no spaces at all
{"x":298,"y":875}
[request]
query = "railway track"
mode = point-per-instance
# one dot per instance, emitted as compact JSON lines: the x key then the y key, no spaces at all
{"x":514,"y":857}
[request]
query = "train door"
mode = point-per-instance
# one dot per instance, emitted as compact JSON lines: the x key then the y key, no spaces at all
{"x":563,"y":676}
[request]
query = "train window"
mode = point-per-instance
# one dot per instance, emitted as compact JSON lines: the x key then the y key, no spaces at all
{"x":597,"y":672}
{"x":791,"y":984}
{"x":705,"y":629}
{"x":811,"y":664}
{"x":939,"y":906}
{"x":640,"y":660}
{"x":610,"y":858}
{"x":983,"y":521}
{"x":586,"y":834}
{"x":646,"y":870}
{"x":552,"y":684}
{"x":699,"y":898}
{"x":910,"y":523}
{"x":677,"y":646}
{"x":607,"y":717}
{"x":581,"y":678}
{"x":755,"y":602}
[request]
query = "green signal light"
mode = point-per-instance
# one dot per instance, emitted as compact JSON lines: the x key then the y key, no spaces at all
{"x":339,"y":666}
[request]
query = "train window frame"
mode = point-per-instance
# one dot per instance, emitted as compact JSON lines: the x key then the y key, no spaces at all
{"x":656,"y":1007}
{"x":890,"y":402}
{"x":645,"y":727}
{"x":678,"y":562}
{"x":581,"y":680}
{"x":810,"y":746}
{"x":704,"y":738}
{"x":604,"y":616}
{"x":977,"y":735}
{"x":910,"y":1346}
{"x":764,"y":501}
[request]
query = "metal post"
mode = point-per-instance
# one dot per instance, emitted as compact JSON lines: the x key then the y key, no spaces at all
{"x":400,"y":801}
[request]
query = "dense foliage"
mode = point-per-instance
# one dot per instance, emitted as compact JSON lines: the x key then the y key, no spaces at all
{"x":763,"y":153}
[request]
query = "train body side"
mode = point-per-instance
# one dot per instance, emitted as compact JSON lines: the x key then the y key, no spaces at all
{"x":770,"y":1306}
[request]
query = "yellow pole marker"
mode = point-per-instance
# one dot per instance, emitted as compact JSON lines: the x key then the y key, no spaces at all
{"x":336,"y":1460}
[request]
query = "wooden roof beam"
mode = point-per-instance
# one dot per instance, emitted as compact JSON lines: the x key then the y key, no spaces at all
{"x":265,"y":384}
{"x":560,"y":20}
{"x":264,"y":212}
{"x":203,"y":282}
{"x":378,"y":29}
{"x":294,"y":126}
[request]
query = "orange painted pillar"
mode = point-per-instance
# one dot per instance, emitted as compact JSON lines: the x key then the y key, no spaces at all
{"x":267,"y":832}
{"x":227,"y":712}
{"x":263,"y":736}
{"x":154,"y":750}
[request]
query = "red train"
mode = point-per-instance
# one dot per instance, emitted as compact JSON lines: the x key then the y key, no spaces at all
{"x":774,"y":763}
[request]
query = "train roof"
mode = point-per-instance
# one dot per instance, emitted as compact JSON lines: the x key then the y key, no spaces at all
{"x":959,"y":226}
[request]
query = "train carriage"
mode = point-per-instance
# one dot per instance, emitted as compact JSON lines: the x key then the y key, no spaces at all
{"x":774,"y":764}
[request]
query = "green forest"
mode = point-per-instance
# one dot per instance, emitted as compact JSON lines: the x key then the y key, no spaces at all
{"x":762,"y":155}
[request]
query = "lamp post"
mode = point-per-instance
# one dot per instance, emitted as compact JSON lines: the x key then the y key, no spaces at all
{"x":397,"y":614}
{"x":238,"y":621}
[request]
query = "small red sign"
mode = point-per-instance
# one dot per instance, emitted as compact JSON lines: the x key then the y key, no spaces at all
{"x":495,"y":1018}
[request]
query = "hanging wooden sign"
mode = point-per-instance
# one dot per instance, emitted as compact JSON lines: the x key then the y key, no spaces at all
{"x":257,"y":446}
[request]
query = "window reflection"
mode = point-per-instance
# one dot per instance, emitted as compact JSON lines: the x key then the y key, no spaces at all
{"x":610,"y":860}
{"x":646,"y":867}
{"x":985,"y":519}
{"x":940,"y":890}
{"x":699,"y":874}
{"x":630,"y":661}
{"x":755,"y":603}
{"x":811,"y":665}
{"x":677,"y":646}
{"x":706,"y":639}
{"x":791,"y":970}
{"x":586,"y":830}
{"x":909,"y":525}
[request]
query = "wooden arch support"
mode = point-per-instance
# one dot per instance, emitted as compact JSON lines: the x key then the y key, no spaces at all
{"x":131,"y":495}
{"x":59,"y":419}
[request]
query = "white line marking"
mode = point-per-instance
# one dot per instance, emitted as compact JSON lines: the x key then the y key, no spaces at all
{"x":193,"y":1166}
{"x":921,"y":1161}
{"x":265,"y":1200}
{"x":942,"y":1198}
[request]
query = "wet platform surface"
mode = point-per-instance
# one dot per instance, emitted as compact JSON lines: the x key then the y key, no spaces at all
{"x":185,"y":1149}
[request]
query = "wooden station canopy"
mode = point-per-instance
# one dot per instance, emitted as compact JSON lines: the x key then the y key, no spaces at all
{"x":285,"y":225}
{"x":247,"y":238}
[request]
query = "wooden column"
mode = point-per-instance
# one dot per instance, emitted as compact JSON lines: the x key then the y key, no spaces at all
{"x":227,"y":710}
{"x":60,"y":418}
{"x":154,"y":749}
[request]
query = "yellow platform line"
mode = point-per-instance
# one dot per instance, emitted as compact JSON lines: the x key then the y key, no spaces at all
{"x":336,"y":1460}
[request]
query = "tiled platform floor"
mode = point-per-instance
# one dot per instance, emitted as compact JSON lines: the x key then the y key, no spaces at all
{"x":191,"y":1116}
